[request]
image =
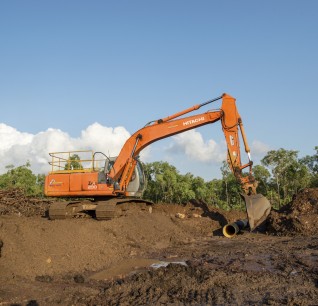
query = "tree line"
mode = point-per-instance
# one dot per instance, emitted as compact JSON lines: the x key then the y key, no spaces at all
{"x":281,"y":174}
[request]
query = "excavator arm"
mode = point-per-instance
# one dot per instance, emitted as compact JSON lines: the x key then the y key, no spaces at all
{"x":257,"y":206}
{"x":231,"y":124}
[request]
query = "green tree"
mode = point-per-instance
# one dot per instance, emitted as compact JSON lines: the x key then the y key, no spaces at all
{"x":288,"y":174}
{"x":73,"y":163}
{"x":225,"y":170}
{"x":262,"y":176}
{"x":161,"y":181}
{"x":199,"y":187}
{"x":22,"y":177}
{"x":231,"y":189}
{"x":214,"y":193}
{"x":183,"y":191}
{"x":311,"y":162}
{"x":165,"y":184}
{"x":40,"y":181}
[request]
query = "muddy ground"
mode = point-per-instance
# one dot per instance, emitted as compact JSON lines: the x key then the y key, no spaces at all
{"x":167,"y":255}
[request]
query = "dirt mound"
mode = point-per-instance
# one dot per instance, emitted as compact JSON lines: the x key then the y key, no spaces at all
{"x":15,"y":202}
{"x":82,"y":261}
{"x":299,"y":217}
{"x":242,"y":271}
{"x":173,"y":285}
{"x":37,"y":246}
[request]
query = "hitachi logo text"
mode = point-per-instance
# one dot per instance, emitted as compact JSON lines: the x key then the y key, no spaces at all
{"x":193,"y":121}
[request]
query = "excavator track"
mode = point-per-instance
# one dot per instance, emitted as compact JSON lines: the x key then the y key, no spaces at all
{"x":59,"y":210}
{"x":102,"y":210}
{"x":106,"y":210}
{"x":66,"y":210}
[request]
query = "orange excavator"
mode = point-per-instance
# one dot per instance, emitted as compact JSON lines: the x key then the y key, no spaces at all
{"x":112,"y":180}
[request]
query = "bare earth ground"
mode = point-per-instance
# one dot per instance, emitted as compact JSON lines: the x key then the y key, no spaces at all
{"x":153,"y":257}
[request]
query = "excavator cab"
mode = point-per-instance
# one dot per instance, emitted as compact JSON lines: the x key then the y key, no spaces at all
{"x":137,"y":183}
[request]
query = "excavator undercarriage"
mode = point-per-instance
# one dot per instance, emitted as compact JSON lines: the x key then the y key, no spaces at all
{"x":100,"y":209}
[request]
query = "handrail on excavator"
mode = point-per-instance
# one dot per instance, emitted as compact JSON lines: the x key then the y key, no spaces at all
{"x":84,"y":161}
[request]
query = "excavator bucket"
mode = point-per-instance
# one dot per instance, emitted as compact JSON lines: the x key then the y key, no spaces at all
{"x":257,"y":208}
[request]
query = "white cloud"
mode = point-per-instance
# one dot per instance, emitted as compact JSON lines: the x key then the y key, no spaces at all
{"x":9,"y":136}
{"x":18,"y":147}
{"x":105,"y":139}
{"x":259,"y":148}
{"x":194,"y":146}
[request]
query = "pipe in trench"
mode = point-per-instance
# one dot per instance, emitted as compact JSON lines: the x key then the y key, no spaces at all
{"x":231,"y":229}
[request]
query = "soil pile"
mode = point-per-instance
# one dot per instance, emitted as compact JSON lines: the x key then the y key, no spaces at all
{"x":15,"y":202}
{"x":82,"y":261}
{"x":248,"y":270}
{"x":36,"y":246}
{"x":299,"y":217}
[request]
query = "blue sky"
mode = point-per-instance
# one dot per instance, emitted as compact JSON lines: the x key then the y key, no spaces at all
{"x":66,"y":65}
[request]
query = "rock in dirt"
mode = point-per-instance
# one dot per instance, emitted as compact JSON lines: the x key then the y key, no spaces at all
{"x":299,"y":217}
{"x":180,"y":215}
{"x":44,"y":278}
{"x":79,"y":279}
